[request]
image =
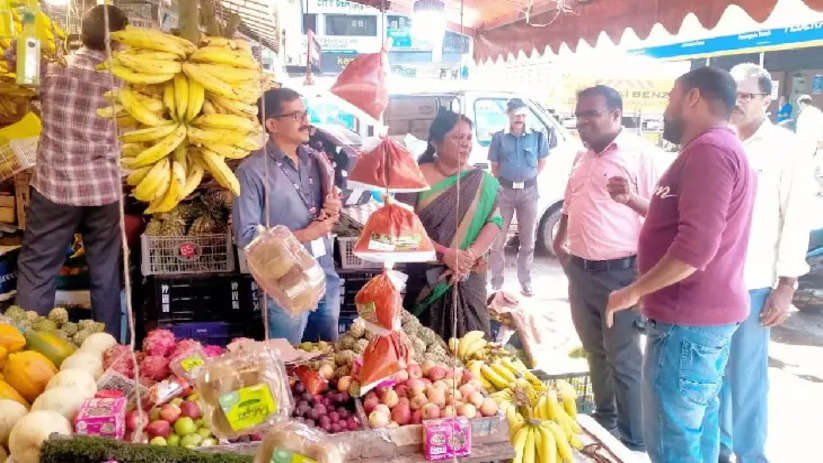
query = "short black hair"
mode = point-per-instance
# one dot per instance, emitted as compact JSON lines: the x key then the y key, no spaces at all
{"x":93,"y":32}
{"x":515,"y":103}
{"x":716,"y":85}
{"x":273,"y":101}
{"x":613,"y":99}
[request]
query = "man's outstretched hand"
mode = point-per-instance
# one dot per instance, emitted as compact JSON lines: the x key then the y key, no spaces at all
{"x":621,"y":299}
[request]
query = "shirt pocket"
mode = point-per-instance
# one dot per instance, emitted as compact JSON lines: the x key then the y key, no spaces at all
{"x":529,"y":148}
{"x":701,"y":367}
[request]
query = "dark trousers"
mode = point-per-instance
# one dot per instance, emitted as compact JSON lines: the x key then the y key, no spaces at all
{"x":614,"y":355}
{"x":49,"y":231}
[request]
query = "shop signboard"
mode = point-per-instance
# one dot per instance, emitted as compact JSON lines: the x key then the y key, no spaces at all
{"x":334,"y":62}
{"x":817,"y":84}
{"x":339,"y":7}
{"x":400,"y":38}
{"x":768,"y":39}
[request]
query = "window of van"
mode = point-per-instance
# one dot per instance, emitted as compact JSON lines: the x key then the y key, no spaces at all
{"x":490,"y":118}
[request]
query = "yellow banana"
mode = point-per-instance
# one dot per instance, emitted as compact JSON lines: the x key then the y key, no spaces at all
{"x":138,"y":110}
{"x":528,"y":448}
{"x":127,"y":75}
{"x":185,"y":43}
{"x":130,"y":150}
{"x":149,"y":134}
{"x":231,"y":74}
{"x":568,"y":422}
{"x":199,"y":136}
{"x":153,"y":91}
{"x":139,"y":37}
{"x":148,"y":54}
{"x":226,"y":121}
{"x":180,"y":156}
{"x":228,"y":151}
{"x":575,"y":442}
{"x":538,"y":445}
{"x":209,"y":81}
{"x":234,"y":44}
{"x":174,"y":193}
{"x":195,"y":176}
{"x":126,"y":122}
{"x":234,"y":106}
{"x":540,"y":408}
{"x":493,"y":377}
{"x":548,"y":447}
{"x":519,"y":444}
{"x":553,"y":408}
{"x":503,"y":372}
{"x":568,"y":395}
{"x":474,"y":347}
{"x":220,"y":171}
{"x":181,"y":96}
{"x":208,"y":107}
{"x":560,"y":439}
{"x":111,"y":111}
{"x":221,"y":55}
{"x":515,"y":422}
{"x":137,"y":176}
{"x":162,"y":148}
{"x":197,"y":96}
{"x":467,"y":339}
{"x":142,"y":63}
{"x":155,"y":183}
{"x":250,"y":143}
{"x":168,"y":99}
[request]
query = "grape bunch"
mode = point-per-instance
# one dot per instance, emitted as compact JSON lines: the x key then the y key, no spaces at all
{"x":331,"y":411}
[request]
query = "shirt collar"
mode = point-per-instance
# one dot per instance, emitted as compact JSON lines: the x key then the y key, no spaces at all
{"x":760,"y":133}
{"x":526,"y":129}
{"x":279,"y":156}
{"x":619,"y":141}
{"x":94,"y":55}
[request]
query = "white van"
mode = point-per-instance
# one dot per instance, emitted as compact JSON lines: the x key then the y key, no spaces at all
{"x":414,"y":112}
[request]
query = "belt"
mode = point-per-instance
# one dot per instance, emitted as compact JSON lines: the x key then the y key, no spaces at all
{"x":602,"y":265}
{"x":511,"y":185}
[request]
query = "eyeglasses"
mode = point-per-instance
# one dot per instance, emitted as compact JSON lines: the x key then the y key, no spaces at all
{"x":296,"y":115}
{"x":747,"y":97}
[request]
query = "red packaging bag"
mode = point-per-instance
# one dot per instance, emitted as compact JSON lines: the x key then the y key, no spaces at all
{"x":379,"y":302}
{"x":388,"y":166}
{"x":363,"y":84}
{"x":383,"y":357}
{"x":394,"y":233}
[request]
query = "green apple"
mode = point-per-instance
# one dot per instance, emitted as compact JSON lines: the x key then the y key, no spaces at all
{"x":200,"y":422}
{"x":208,"y":442}
{"x":176,"y":402}
{"x":158,"y":441}
{"x":204,"y":432}
{"x":173,"y":440}
{"x":191,"y":440}
{"x":184,"y":426}
{"x":154,"y":414}
{"x":193,"y":397}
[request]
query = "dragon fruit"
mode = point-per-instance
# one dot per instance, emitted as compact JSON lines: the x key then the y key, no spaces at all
{"x":118,"y":358}
{"x":213,"y":351}
{"x":155,"y":368}
{"x":184,"y":346}
{"x":159,"y":342}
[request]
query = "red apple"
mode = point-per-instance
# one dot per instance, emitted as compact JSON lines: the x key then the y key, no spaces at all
{"x":371,"y":393}
{"x":436,"y":373}
{"x":414,"y":370}
{"x":160,"y":428}
{"x":418,"y":401}
{"x":401,"y":414}
{"x":416,"y":417}
{"x":427,"y":366}
{"x":134,"y":418}
{"x":191,"y":409}
{"x":431,"y":411}
{"x":476,"y":398}
{"x":389,"y":398}
{"x":416,"y":387}
{"x":370,"y":403}
{"x":401,"y":376}
{"x":402,"y":390}
{"x":170,"y":413}
{"x":467,"y":376}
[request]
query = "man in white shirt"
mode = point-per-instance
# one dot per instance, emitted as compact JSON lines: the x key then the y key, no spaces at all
{"x":810,"y":122}
{"x":776,"y":258}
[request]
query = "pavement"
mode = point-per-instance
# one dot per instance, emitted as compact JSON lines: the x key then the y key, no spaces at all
{"x":795,"y":361}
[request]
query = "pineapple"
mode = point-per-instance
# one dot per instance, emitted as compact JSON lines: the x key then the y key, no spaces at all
{"x":173,"y":225}
{"x":154,"y":227}
{"x":203,"y":225}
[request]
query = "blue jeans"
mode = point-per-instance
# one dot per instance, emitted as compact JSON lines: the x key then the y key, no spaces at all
{"x":744,"y":397}
{"x":320,"y":324}
{"x":682,"y":375}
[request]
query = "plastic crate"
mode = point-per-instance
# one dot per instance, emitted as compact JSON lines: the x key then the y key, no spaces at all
{"x":581,"y":382}
{"x":174,"y":255}
{"x":219,"y":333}
{"x":348,"y":261}
{"x":202,"y":299}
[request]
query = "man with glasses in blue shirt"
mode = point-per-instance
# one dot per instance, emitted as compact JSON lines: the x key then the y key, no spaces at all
{"x":293,"y":176}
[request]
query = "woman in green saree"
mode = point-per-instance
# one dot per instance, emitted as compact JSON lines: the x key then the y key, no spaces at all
{"x":462,"y":233}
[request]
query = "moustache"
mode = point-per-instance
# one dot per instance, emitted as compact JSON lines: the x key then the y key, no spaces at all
{"x":305,"y":128}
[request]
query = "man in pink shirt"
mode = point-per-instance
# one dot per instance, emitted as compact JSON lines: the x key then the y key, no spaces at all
{"x":607,"y":194}
{"x":690,"y":257}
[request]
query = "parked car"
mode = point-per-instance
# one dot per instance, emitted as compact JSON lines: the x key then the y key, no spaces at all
{"x":414,"y":112}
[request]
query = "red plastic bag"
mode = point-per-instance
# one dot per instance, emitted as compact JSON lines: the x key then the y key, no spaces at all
{"x":311,"y":379}
{"x":379,"y":301}
{"x":363,"y":84}
{"x":394,"y":233}
{"x":383,"y":357}
{"x":388,"y":166}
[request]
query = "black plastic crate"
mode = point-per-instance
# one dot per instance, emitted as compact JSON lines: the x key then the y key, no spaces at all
{"x":581,"y":382}
{"x":230,"y":297}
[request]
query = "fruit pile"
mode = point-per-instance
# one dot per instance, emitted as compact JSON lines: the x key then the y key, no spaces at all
{"x":428,"y":391}
{"x":473,"y":346}
{"x":206,"y":214}
{"x":56,"y":322}
{"x":13,"y":98}
{"x":178,"y":423}
{"x":333,"y":410}
{"x":185,"y":110}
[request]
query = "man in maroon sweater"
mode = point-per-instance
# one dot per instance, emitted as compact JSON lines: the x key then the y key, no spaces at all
{"x":691,"y":252}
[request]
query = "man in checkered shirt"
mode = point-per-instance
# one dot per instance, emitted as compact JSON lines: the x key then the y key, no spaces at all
{"x":76,"y":184}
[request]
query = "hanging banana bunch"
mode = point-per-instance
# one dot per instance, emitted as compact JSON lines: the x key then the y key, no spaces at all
{"x":14,"y":100}
{"x":184,"y":111}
